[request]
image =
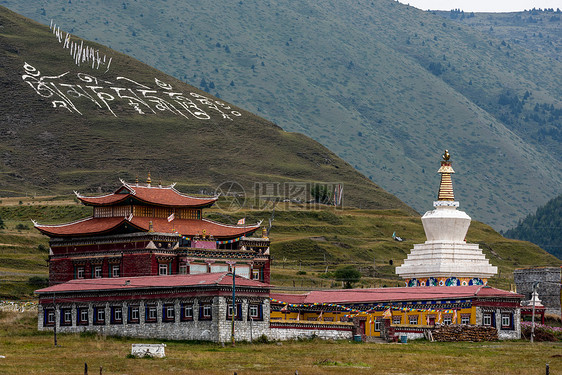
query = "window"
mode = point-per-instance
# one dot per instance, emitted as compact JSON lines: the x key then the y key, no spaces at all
{"x":82,"y":316}
{"x":183,"y":269}
{"x":97,"y":272}
{"x":447,"y":320}
{"x":66,"y":317}
{"x":256,"y":274}
{"x":237,"y":312}
{"x":49,"y":319}
{"x":255,"y":312}
{"x":150,"y":314}
{"x":396,"y":319}
{"x":187,"y":312}
{"x":116,"y":315}
{"x":168,"y":313}
{"x":115,"y":270}
{"x":79,"y":272}
{"x":413,"y":319}
{"x":506,"y":321}
{"x":133,"y":314}
{"x":205,"y":312}
{"x":99,"y":315}
{"x":377,"y":325}
{"x":465,"y":319}
{"x":487,"y":319}
{"x":163,"y":268}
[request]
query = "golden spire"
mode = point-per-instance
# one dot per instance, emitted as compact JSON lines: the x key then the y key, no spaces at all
{"x":148,"y":180}
{"x":446,"y":185}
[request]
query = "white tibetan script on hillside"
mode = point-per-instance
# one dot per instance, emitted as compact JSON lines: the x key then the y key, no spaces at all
{"x":74,"y":92}
{"x":80,"y":53}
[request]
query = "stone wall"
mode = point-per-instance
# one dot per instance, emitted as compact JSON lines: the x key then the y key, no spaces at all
{"x":283,"y":330}
{"x":549,"y":286}
{"x":218,"y":329}
{"x":511,"y":333}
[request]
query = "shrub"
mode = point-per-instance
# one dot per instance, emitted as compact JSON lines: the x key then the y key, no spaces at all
{"x":349,"y":275}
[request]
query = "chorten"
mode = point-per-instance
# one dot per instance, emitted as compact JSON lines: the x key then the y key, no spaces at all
{"x":445,"y":259}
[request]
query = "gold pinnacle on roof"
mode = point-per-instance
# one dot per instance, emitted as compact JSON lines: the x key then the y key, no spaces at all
{"x":446,"y":185}
{"x":148,"y":180}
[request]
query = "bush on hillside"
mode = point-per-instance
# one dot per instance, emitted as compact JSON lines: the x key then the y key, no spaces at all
{"x":349,"y":275}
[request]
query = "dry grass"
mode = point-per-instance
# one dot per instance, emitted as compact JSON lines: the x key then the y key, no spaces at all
{"x":30,"y":352}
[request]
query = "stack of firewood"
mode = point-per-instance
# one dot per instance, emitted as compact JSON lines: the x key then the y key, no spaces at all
{"x":464,"y":333}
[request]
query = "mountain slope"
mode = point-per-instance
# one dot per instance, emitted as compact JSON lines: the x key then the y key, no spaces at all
{"x":543,"y":228}
{"x":383,"y":85}
{"x":67,"y":126}
{"x":537,"y":30}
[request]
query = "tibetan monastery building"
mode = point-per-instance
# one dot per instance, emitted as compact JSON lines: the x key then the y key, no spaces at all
{"x":144,"y":230}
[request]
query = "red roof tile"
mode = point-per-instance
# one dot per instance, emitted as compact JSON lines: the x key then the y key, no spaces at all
{"x":143,"y":282}
{"x":161,"y":196}
{"x":186,"y":227}
{"x":343,"y":296}
{"x":87,"y":226}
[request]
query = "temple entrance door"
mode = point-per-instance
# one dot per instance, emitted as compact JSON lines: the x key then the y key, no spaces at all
{"x":431,"y":321}
{"x":362,"y":327}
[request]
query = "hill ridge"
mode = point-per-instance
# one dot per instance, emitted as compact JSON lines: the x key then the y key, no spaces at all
{"x":372,"y":81}
{"x":76,"y":128}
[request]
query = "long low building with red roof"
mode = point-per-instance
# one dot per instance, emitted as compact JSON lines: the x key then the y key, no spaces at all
{"x":410,"y":311}
{"x":177,"y":307}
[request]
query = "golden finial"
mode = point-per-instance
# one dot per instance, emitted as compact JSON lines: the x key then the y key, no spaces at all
{"x":148,"y":180}
{"x":137,"y":180}
{"x":446,"y":184}
{"x":264,"y":232}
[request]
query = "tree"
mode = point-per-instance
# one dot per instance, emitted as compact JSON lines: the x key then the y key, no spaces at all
{"x":320,"y":193}
{"x":349,"y":275}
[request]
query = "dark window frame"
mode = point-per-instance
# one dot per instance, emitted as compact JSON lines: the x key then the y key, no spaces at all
{"x":202,"y":307}
{"x":63,"y":321}
{"x":79,"y":320}
{"x":147,"y":318}
{"x":130,"y":319}
{"x":183,"y":316}
{"x":238,"y":316}
{"x":114,"y":319}
{"x":97,"y":320}
{"x":166,"y":318}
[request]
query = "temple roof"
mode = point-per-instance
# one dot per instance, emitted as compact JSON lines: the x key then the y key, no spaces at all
{"x":143,"y":282}
{"x":166,"y":196}
{"x":414,"y":294}
{"x":186,"y":227}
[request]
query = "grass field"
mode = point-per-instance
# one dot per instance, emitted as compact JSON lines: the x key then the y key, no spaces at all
{"x":30,"y":352}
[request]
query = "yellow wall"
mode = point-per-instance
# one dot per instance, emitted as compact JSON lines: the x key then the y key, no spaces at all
{"x":371,"y":317}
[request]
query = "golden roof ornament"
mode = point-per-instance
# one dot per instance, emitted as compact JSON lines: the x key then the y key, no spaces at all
{"x":446,"y":186}
{"x":148,"y":179}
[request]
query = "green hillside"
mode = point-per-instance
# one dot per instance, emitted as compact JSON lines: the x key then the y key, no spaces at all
{"x":383,"y":85}
{"x":535,"y":29}
{"x":67,"y":127}
{"x":308,"y":244}
{"x":543,"y":228}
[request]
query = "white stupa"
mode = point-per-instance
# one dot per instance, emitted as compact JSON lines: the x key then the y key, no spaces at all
{"x":445,"y":258}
